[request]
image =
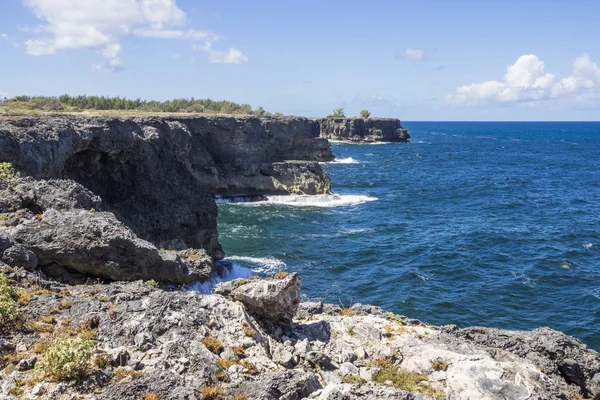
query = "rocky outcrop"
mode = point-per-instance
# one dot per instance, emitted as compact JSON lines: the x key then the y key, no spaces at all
{"x":354,"y":129}
{"x":158,"y":175}
{"x":275,"y":299}
{"x":60,"y":226}
{"x":183,"y":345}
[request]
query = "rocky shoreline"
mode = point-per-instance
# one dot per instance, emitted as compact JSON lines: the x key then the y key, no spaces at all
{"x":104,"y":220}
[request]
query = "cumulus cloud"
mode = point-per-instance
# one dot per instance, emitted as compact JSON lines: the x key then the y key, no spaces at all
{"x":527,"y":81}
{"x":414,"y":54}
{"x":232,"y":56}
{"x":102,"y":24}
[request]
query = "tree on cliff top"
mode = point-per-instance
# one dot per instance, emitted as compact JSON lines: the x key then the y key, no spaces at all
{"x":337,"y":113}
{"x":365,"y":114}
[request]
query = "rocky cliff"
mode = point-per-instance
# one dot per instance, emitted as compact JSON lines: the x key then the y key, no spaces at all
{"x":159,"y":175}
{"x":356,"y":129}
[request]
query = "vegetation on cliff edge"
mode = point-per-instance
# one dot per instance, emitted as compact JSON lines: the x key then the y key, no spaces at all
{"x":81,"y":103}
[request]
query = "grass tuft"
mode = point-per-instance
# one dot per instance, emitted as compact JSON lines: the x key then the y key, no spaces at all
{"x":213,"y":344}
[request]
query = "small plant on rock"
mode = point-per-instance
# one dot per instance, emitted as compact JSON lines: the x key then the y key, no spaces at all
{"x":248,"y":331}
{"x":10,"y":316}
{"x":212,"y":393}
{"x":213,"y":344}
{"x":8,"y":173}
{"x":66,"y":359}
{"x":439,"y":365}
{"x":281,"y":275}
{"x":365,"y":114}
{"x":152,"y":283}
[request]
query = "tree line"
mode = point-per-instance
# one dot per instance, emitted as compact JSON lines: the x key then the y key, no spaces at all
{"x":83,"y":102}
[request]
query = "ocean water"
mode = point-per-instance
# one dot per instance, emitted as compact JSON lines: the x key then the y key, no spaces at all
{"x":478,"y":223}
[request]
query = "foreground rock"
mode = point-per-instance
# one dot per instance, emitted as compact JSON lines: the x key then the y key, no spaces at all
{"x":275,"y":300}
{"x":354,"y":129}
{"x":159,"y":174}
{"x":56,"y":225}
{"x":151,"y":343}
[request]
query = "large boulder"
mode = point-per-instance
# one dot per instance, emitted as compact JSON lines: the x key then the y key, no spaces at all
{"x":275,"y":300}
{"x":98,"y":244}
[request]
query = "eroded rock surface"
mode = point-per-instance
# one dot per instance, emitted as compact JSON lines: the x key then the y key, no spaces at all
{"x":179,"y":345}
{"x":275,"y":299}
{"x":354,"y":129}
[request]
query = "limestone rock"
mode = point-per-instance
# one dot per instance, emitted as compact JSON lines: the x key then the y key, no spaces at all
{"x":275,"y":300}
{"x":364,"y":130}
{"x":96,"y":243}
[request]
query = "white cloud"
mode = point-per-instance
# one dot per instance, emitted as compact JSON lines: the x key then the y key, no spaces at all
{"x":527,"y":81}
{"x":4,"y":36}
{"x":414,"y":54}
{"x":102,"y":24}
{"x":233,"y":56}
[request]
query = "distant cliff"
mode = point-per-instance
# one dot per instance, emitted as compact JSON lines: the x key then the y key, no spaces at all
{"x":159,"y":174}
{"x":354,"y":129}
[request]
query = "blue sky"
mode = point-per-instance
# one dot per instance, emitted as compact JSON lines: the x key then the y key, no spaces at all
{"x":415,"y":60}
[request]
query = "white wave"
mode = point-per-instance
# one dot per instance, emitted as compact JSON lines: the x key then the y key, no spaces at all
{"x":587,"y":245}
{"x":320,"y":200}
{"x":348,"y":160}
{"x":264,"y":265}
{"x":354,"y":231}
{"x":228,"y":272}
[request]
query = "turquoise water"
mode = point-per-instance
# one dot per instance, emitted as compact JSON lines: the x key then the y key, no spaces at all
{"x":494,"y":224}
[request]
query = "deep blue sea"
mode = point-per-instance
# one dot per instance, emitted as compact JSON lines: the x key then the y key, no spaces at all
{"x":472,"y":223}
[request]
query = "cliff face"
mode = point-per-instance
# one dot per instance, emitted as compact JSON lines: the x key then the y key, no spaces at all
{"x":363,"y":130}
{"x":159,"y":175}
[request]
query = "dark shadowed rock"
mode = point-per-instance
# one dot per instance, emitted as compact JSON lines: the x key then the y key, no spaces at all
{"x":19,"y":256}
{"x":275,"y":300}
{"x":96,"y":243}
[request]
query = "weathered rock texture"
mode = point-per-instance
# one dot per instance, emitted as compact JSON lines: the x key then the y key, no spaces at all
{"x":159,"y":175}
{"x":363,"y":130}
{"x":275,"y":300}
{"x":60,"y":226}
{"x":175,"y":344}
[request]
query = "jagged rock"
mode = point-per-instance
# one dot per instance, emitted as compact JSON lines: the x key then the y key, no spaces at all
{"x":40,"y":195}
{"x":346,"y":391}
{"x":551,"y":350}
{"x":356,"y":129}
{"x":284,"y":385}
{"x":26,"y":365}
{"x":19,"y":256}
{"x":275,"y":300}
{"x":96,"y":243}
{"x":284,"y":356}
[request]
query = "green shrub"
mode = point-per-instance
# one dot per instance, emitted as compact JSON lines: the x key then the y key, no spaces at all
{"x":338,"y":113}
{"x":405,"y":380}
{"x":10,"y":316}
{"x":8,"y":173}
{"x":66,"y":359}
{"x":365,"y":114}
